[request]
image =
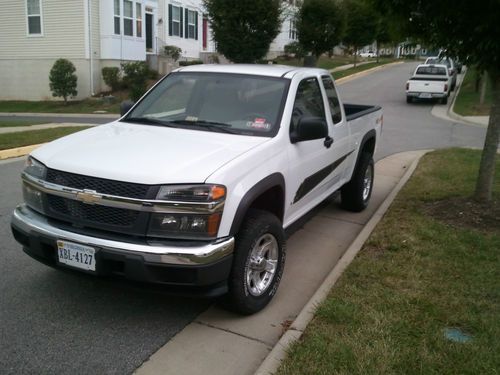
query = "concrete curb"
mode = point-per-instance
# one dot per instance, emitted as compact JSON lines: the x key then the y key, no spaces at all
{"x":278,"y":353}
{"x":18,"y":151}
{"x":80,"y":115}
{"x":366,"y":72}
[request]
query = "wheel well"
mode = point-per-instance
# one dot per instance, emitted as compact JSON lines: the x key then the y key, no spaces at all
{"x":272,"y":200}
{"x":369,"y":146}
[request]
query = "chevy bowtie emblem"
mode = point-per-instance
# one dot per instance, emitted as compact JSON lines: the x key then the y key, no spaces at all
{"x":88,"y":196}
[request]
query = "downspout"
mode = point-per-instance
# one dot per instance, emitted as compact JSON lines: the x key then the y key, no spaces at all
{"x":91,"y":53}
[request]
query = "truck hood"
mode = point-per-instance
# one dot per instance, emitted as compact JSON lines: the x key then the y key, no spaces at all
{"x":144,"y":154}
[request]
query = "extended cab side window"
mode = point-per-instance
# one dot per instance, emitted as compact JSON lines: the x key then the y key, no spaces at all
{"x":308,"y":102}
{"x":333,"y":99}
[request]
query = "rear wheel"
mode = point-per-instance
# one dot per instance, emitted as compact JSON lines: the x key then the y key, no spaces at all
{"x":258,"y":263}
{"x":409,"y":99}
{"x":356,"y":194}
{"x":444,"y":100}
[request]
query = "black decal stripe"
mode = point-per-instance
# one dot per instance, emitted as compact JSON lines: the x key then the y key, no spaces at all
{"x":313,"y":180}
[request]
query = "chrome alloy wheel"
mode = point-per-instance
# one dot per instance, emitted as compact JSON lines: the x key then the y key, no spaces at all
{"x":261,"y":265}
{"x":367,"y":183}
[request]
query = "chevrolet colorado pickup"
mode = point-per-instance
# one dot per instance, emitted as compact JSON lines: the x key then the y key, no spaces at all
{"x":194,"y":185}
{"x":429,"y":82}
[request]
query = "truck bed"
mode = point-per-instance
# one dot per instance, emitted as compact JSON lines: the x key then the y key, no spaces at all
{"x":353,"y":111}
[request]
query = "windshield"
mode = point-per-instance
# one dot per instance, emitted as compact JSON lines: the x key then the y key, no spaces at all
{"x":231,"y":103}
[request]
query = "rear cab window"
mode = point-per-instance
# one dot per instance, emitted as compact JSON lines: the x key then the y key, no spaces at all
{"x":333,"y":99}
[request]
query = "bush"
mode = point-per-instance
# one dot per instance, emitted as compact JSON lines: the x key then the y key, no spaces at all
{"x":62,"y":79}
{"x":294,"y":49}
{"x":136,"y":75}
{"x":213,"y":58}
{"x":173,"y":52}
{"x":190,"y":62}
{"x":111,"y":76}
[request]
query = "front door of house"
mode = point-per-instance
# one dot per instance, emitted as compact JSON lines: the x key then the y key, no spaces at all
{"x":149,"y":32}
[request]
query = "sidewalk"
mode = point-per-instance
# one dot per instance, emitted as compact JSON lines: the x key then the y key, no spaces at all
{"x":219,"y":342}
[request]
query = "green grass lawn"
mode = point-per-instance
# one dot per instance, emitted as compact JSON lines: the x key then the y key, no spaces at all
{"x":360,"y":68}
{"x":467,"y":103}
{"x":33,"y":137}
{"x":13,"y":123}
{"x":432,"y":263}
{"x":83,"y":106}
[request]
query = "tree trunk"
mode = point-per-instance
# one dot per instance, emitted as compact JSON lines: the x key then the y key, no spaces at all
{"x":355,"y":55}
{"x":65,"y":100}
{"x":483,"y":88}
{"x":484,"y":183}
{"x":376,"y":46}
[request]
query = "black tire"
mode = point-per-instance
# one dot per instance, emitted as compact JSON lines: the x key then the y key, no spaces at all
{"x":258,"y":226}
{"x":444,"y":100}
{"x":409,"y":99}
{"x":353,"y":195}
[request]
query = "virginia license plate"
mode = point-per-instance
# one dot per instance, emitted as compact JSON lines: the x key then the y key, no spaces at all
{"x":76,"y":255}
{"x":425,"y":95}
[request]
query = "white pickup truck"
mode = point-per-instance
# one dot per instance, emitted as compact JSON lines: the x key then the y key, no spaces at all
{"x":193,"y":187}
{"x":429,"y":82}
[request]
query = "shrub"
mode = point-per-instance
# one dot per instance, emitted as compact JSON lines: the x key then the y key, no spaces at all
{"x":213,"y":58}
{"x":62,"y":79}
{"x":111,"y":76}
{"x":190,"y":62}
{"x":294,"y":49}
{"x":136,"y":75}
{"x":173,"y":52}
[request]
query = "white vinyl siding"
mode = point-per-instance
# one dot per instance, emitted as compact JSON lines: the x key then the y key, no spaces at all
{"x":34,"y":17}
{"x":63,"y":26}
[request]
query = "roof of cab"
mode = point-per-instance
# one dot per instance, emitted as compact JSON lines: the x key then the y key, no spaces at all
{"x":254,"y":69}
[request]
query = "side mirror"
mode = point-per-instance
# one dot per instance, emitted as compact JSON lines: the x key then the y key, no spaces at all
{"x":125,"y":106}
{"x":309,"y":128}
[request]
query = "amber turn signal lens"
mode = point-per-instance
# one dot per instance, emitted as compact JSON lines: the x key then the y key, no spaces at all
{"x":218,"y":192}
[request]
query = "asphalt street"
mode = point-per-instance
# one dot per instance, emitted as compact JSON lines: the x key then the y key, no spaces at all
{"x":55,"y":322}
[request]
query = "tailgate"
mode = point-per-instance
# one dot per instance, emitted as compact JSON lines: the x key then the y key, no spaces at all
{"x":417,"y":85}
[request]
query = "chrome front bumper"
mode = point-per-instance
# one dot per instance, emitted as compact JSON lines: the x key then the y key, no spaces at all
{"x":30,"y":222}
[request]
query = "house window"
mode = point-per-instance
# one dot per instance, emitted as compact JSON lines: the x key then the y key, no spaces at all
{"x":192,"y":24}
{"x":117,"y":17}
{"x":34,"y":13}
{"x":138,"y":20}
{"x":175,"y":20}
{"x":292,"y":32}
{"x":128,"y":18}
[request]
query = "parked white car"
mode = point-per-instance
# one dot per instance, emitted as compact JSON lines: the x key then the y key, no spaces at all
{"x":368,"y":54}
{"x":194,"y":186}
{"x":429,"y":82}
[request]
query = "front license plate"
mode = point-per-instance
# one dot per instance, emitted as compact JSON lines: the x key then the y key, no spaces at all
{"x":76,"y":255}
{"x":425,"y":95}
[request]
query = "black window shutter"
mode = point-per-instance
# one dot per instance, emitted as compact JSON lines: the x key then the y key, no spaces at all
{"x":186,"y":26}
{"x":181,"y":26}
{"x":196,"y":25}
{"x":170,"y":20}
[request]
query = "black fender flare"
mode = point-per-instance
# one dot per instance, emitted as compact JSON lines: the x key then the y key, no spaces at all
{"x":273,"y":180}
{"x":371,"y":134}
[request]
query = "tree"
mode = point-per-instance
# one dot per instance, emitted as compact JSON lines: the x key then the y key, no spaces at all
{"x":244,"y":30}
{"x":469,"y":30}
{"x":320,"y":26}
{"x":62,"y":80}
{"x":361,"y":25}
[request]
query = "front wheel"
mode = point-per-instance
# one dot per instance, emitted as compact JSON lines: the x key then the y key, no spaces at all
{"x":258,"y":263}
{"x":356,"y":194}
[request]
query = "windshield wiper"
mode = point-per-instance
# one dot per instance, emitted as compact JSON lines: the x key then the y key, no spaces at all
{"x":150,"y":121}
{"x":204,"y":124}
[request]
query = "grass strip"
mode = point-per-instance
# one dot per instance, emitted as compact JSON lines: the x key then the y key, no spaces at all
{"x":14,"y":123}
{"x":418,"y":275}
{"x":467,"y":103}
{"x":82,"y":106}
{"x":33,"y":137}
{"x":360,"y":68}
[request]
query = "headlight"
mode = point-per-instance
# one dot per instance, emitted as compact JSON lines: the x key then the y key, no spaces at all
{"x":34,"y":168}
{"x":191,"y":193}
{"x":185,"y":226}
{"x":33,"y":198}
